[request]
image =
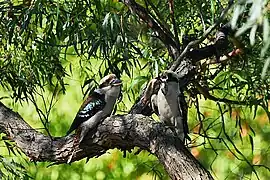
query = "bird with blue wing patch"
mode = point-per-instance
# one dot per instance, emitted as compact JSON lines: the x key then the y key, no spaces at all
{"x":97,"y":106}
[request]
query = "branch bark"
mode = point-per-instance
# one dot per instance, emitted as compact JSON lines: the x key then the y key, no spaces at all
{"x":122,"y":132}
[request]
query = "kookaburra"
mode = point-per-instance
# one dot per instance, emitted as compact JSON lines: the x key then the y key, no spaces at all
{"x":97,"y":106}
{"x":169,"y":103}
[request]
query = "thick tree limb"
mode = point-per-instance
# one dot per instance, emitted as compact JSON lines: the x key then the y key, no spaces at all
{"x":122,"y":132}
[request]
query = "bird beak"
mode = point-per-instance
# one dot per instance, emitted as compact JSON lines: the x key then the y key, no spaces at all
{"x":116,"y":82}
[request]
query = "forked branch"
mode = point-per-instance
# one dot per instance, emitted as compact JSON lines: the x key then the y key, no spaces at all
{"x":122,"y":132}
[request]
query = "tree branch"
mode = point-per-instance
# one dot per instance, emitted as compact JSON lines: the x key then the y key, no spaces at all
{"x":198,"y":41}
{"x":171,"y":7}
{"x":122,"y":132}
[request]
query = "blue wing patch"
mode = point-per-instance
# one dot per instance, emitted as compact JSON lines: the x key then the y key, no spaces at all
{"x":90,"y":109}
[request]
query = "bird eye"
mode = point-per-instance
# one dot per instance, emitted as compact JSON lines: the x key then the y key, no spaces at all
{"x":163,"y":77}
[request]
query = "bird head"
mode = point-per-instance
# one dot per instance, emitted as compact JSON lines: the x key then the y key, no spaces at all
{"x":110,"y":85}
{"x":152,"y":88}
{"x":168,"y":76}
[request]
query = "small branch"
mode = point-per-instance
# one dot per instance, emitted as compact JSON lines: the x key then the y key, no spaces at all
{"x":235,"y":148}
{"x":122,"y":132}
{"x":207,"y":95}
{"x":198,"y":41}
{"x":159,"y":17}
{"x":171,"y":7}
{"x":41,"y":115}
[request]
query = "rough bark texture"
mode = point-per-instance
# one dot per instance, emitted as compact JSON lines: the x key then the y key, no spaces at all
{"x":122,"y":132}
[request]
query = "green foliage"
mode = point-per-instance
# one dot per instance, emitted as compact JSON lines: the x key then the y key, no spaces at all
{"x":254,"y":16}
{"x":10,"y":169}
{"x":48,"y":48}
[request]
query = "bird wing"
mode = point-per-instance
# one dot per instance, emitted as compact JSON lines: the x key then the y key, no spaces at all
{"x":89,"y":108}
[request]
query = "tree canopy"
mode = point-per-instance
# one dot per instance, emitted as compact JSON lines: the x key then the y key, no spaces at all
{"x":53,"y":53}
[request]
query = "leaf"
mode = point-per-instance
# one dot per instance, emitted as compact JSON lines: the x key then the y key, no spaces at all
{"x":265,"y":29}
{"x":94,"y":48}
{"x":40,"y":19}
{"x":10,"y":148}
{"x":112,"y":23}
{"x":125,"y":68}
{"x":255,"y":111}
{"x":244,"y":28}
{"x":265,"y":67}
{"x":237,"y":11}
{"x":106,"y":20}
{"x":156,"y":68}
{"x":3,"y":97}
{"x":87,"y":82}
{"x":239,"y":78}
{"x":11,"y":31}
{"x":213,"y":12}
{"x":57,"y":11}
{"x":255,"y":11}
{"x":251,"y":143}
{"x":265,"y":48}
{"x":253,"y":34}
{"x":75,"y":45}
{"x":82,"y":47}
{"x":70,"y":68}
{"x":252,"y":130}
{"x":116,"y":19}
{"x":138,"y":80}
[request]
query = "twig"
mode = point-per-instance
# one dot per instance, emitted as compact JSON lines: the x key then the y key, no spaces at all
{"x":40,"y":114}
{"x":171,"y":7}
{"x":206,"y":94}
{"x":234,"y":146}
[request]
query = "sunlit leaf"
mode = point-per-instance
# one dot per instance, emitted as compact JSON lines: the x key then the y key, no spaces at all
{"x":256,"y":10}
{"x":244,"y":28}
{"x":138,"y":80}
{"x":265,"y":48}
{"x":156,"y":68}
{"x":112,"y":24}
{"x":106,"y":20}
{"x":265,"y":67}
{"x":236,"y":13}
{"x":239,"y":77}
{"x":266,"y":29}
{"x":252,"y":35}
